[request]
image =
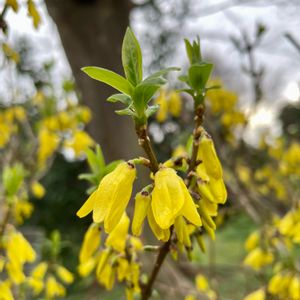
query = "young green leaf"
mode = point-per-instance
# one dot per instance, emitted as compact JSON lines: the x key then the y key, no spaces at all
{"x":199,"y":74}
{"x":132,"y":58}
{"x":125,"y":112}
{"x":161,"y":73}
{"x":109,"y":77}
{"x":151,"y":110}
{"x":144,"y":92}
{"x":119,"y":98}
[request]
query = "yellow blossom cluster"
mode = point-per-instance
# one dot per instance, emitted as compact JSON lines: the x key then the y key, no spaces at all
{"x":170,"y":103}
{"x":115,"y":260}
{"x":224,"y":104}
{"x":203,"y":288}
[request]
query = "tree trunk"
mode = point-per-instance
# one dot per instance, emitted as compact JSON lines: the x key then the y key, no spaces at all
{"x":91,"y":32}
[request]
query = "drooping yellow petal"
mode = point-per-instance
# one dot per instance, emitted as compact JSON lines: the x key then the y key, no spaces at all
{"x":39,"y":271}
{"x":189,"y":210}
{"x":182,"y":231}
{"x":142,"y":202}
{"x":167,"y":197}
{"x":161,"y":234}
{"x":218,"y":190}
{"x":256,"y":295}
{"x":91,"y":243}
{"x":207,"y":154}
{"x":88,"y":206}
{"x":113,"y":194}
{"x":117,"y":238}
{"x":64,"y":274}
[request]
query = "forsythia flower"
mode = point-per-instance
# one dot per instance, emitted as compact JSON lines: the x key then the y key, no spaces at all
{"x":54,"y":288}
{"x":48,"y":143}
{"x":171,"y":198}
{"x":117,"y":238}
{"x":5,"y":292}
{"x":91,"y":243}
{"x":175,"y":104}
{"x":64,"y":274}
{"x":109,"y":201}
{"x":161,"y":100}
{"x":256,"y":295}
{"x":209,"y":171}
{"x":258,"y":258}
{"x":252,"y":241}
{"x":141,"y":206}
{"x":37,"y":190}
{"x":80,"y":142}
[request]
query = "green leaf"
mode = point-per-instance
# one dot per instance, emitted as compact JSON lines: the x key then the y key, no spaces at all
{"x":95,"y":159}
{"x":189,"y":50}
{"x":162,"y":72}
{"x":12,"y":178}
{"x":119,"y":98}
{"x":126,"y":112}
{"x":199,"y":74}
{"x":193,"y":51}
{"x":109,"y":77}
{"x":151,"y":110}
{"x":132,"y":58}
{"x":144,"y":92}
{"x":189,"y":91}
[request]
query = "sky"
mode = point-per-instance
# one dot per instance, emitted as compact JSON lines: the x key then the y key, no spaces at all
{"x":279,"y":58}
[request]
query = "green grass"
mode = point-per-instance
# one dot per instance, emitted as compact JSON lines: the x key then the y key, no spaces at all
{"x":222,"y":262}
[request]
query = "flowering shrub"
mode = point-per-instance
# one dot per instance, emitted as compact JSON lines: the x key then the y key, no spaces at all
{"x":179,"y":209}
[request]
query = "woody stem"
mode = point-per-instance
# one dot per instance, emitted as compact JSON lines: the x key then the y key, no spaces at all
{"x":144,"y":142}
{"x":198,"y":119}
{"x":162,"y":254}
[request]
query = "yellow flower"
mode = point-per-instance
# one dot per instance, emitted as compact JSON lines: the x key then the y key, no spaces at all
{"x":117,"y":237}
{"x":107,"y":277}
{"x":141,"y":205}
{"x":38,"y":190}
{"x":15,"y":272}
{"x":294,"y":288}
{"x":210,"y":183}
{"x":39,"y":271}
{"x":36,"y":284}
{"x":161,"y":234}
{"x":19,"y":250}
{"x":202,"y":283}
{"x":48,"y":143}
{"x":109,"y":201}
{"x":5,"y":292}
{"x":22,"y":209}
{"x":80,"y":142}
{"x":54,"y":288}
{"x":13,"y":4}
{"x":64,"y":274}
{"x":258,"y":258}
{"x":171,"y":198}
{"x":85,"y":268}
{"x":32,"y":11}
{"x":91,"y":243}
{"x":175,"y":104}
{"x":256,"y":295}
{"x":252,"y":241}
{"x":162,"y":101}
{"x":182,"y":233}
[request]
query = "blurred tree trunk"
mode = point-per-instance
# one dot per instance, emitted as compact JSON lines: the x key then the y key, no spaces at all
{"x":91,"y":32}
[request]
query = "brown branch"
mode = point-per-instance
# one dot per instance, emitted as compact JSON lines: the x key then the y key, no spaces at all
{"x":144,"y":142}
{"x":199,"y":115}
{"x":162,"y":254}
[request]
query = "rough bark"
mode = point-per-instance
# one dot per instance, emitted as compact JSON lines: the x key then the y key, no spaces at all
{"x":91,"y":32}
